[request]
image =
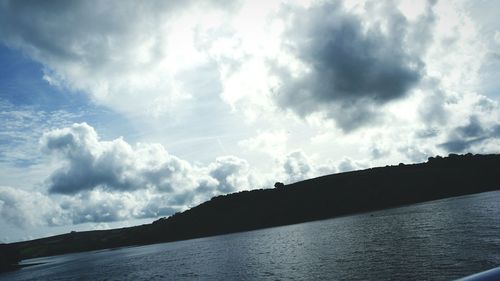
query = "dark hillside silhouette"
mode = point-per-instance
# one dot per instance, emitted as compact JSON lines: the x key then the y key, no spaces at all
{"x":9,"y":257}
{"x":335,"y":195}
{"x":314,"y":199}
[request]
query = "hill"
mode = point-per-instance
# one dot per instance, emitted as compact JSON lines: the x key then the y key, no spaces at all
{"x":314,"y":199}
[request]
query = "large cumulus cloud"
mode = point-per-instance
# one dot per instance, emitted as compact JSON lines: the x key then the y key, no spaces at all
{"x":348,"y":66}
{"x":113,"y":165}
{"x":90,"y":163}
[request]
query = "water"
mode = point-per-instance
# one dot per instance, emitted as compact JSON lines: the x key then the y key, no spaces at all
{"x":439,"y":240}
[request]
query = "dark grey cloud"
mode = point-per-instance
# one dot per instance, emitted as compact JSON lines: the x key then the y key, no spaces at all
{"x":472,"y":130}
{"x":436,"y":110}
{"x":351,"y":69}
{"x":460,"y":145}
{"x":85,"y":30}
{"x":62,"y":30}
{"x":92,"y":32}
{"x":464,"y":138}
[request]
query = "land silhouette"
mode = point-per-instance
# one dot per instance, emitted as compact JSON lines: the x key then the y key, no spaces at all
{"x":9,"y":257}
{"x":314,"y":199}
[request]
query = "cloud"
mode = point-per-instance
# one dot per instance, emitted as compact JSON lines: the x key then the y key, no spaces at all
{"x":99,"y":206}
{"x":473,"y":137}
{"x":349,"y":69}
{"x":432,"y":110}
{"x":297,"y":167}
{"x":117,"y":166}
{"x":270,"y":142}
{"x":471,"y":130}
{"x":24,"y":209}
{"x":415,"y":153}
{"x":326,"y":169}
{"x":106,"y":181}
{"x":22,"y":126}
{"x":84,"y":195}
{"x":106,"y":204}
{"x":347,"y":164}
{"x":231,"y":173}
{"x":131,"y":56}
{"x":112,"y":165}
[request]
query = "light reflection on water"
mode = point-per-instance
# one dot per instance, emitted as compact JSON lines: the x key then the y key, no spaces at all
{"x":438,"y":240}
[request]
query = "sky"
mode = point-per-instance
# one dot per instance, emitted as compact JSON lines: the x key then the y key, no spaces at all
{"x":117,"y":113}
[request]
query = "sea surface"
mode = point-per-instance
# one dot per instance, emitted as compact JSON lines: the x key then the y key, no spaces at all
{"x":438,"y":240}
